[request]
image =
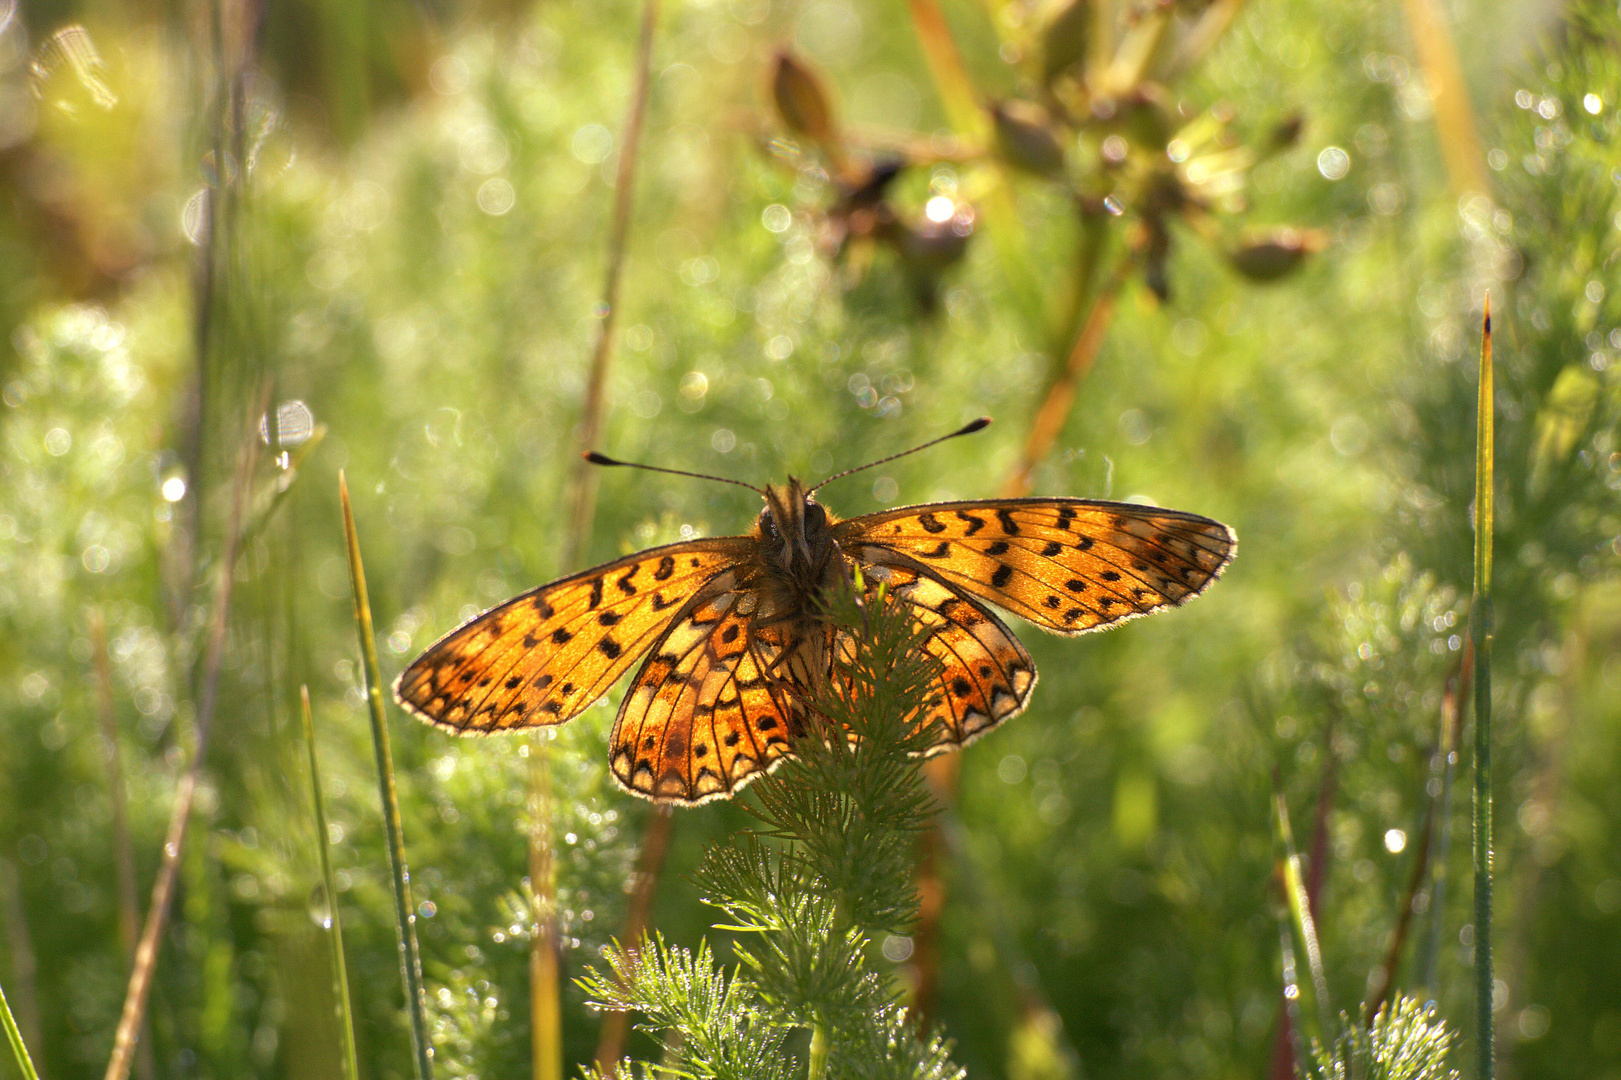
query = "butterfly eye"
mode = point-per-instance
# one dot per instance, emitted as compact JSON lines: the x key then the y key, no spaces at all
{"x":815,"y":516}
{"x":768,"y":524}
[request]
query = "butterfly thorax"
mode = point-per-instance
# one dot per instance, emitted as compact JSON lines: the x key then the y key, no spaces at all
{"x":796,"y":557}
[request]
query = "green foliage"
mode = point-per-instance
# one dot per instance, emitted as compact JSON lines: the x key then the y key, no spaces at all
{"x":410,"y":235}
{"x":830,"y":867}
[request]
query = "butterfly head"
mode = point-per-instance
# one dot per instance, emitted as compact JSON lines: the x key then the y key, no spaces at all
{"x":794,"y":530}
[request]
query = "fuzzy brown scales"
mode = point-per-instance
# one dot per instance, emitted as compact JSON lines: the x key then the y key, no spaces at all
{"x":735,"y":645}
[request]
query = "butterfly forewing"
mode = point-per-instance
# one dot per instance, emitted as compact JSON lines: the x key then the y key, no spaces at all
{"x":542,"y":657}
{"x":706,"y":712}
{"x":1069,"y":565}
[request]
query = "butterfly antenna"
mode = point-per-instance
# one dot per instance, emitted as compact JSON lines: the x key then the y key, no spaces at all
{"x":603,"y":459}
{"x":966,"y":429}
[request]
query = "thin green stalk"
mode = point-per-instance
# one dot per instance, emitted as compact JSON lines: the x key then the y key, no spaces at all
{"x":340,"y":970}
{"x":404,"y":909}
{"x":817,"y":1068}
{"x":24,"y":1062}
{"x":545,"y":965}
{"x":133,"y":1015}
{"x":1480,"y":633}
{"x":1294,"y":888}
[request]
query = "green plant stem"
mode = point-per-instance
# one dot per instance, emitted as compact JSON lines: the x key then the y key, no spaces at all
{"x":544,"y":964}
{"x":1480,"y":632}
{"x":404,"y":910}
{"x":340,"y":971}
{"x":817,"y":1067}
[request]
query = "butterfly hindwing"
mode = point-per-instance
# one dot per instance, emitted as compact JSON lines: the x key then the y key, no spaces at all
{"x":1068,"y":565}
{"x":543,"y":656}
{"x":985,"y":674}
{"x":705,"y":714}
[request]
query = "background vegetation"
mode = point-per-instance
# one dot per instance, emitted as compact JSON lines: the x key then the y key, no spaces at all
{"x":386,"y":226}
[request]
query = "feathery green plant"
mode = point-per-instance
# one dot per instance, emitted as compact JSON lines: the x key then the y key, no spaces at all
{"x":829,"y":869}
{"x":1405,"y":1041}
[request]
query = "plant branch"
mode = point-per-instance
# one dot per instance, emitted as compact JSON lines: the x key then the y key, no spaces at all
{"x":1055,"y":406}
{"x":1454,"y":117}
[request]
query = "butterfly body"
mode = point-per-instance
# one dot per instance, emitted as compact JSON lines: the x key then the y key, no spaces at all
{"x":736,"y":642}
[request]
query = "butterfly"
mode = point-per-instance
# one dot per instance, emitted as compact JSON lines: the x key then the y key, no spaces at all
{"x":735,"y":642}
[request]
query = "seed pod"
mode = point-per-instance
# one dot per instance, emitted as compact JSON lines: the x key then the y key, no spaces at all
{"x":801,"y":99}
{"x":1275,"y":254}
{"x":1025,"y":138}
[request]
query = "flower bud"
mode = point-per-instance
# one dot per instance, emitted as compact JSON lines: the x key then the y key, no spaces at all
{"x":1275,"y":254}
{"x":801,"y":100}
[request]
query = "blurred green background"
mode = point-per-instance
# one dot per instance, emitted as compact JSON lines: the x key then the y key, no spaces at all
{"x":390,"y":222}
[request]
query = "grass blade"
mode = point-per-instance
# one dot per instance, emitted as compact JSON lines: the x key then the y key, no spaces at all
{"x":15,"y":1037}
{"x":340,"y":970}
{"x":1294,"y":892}
{"x":404,"y":910}
{"x":1480,"y":633}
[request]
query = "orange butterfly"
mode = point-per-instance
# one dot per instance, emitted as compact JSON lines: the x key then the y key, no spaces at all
{"x":735,"y":641}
